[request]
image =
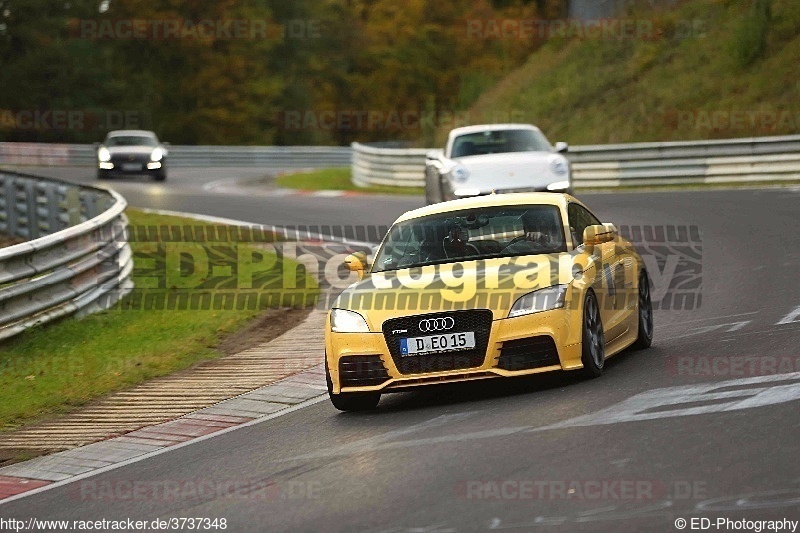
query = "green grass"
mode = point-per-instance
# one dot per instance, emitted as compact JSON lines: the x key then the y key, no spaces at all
{"x":59,"y":366}
{"x":337,"y":179}
{"x":739,"y":57}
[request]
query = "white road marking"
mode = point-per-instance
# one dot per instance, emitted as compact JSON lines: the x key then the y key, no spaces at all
{"x":681,"y":401}
{"x":791,"y":318}
{"x":667,"y":402}
{"x":724,"y":317}
{"x":730,"y":327}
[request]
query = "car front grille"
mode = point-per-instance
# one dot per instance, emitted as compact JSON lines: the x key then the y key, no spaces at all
{"x":528,"y":353}
{"x":125,"y":159}
{"x":362,"y":371}
{"x":478,"y":321}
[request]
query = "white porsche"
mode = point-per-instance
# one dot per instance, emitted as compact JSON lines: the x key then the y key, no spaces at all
{"x":496,"y":158}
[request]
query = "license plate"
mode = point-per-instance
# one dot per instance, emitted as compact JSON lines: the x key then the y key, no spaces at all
{"x":131,"y":167}
{"x":447,"y":342}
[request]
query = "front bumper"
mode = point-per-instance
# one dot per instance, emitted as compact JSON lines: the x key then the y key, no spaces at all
{"x":530,"y":344}
{"x":137,"y":165}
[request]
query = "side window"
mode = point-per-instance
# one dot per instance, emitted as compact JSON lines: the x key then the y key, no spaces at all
{"x":579,"y":219}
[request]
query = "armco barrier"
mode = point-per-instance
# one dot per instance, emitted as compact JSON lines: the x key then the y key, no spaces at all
{"x":76,"y":253}
{"x":750,"y":160}
{"x":268,"y":157}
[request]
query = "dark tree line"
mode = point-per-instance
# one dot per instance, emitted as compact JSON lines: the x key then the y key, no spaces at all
{"x":251,"y":72}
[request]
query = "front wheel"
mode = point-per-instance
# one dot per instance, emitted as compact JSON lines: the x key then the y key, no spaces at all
{"x":593,"y":347}
{"x":351,"y":401}
{"x":645,"y":312}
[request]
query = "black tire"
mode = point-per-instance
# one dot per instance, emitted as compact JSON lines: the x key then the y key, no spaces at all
{"x":160,"y":176}
{"x":593,"y":352}
{"x":103,"y":175}
{"x":351,"y":401}
{"x":644,"y":308}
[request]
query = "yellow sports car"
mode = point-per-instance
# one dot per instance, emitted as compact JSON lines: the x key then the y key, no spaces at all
{"x":493,"y":286}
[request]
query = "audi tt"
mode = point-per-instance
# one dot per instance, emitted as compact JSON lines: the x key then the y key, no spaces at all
{"x":485,"y":287}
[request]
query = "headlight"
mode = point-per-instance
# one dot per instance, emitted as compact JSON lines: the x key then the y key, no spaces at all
{"x":459,"y":173}
{"x":103,"y":154}
{"x":157,"y":154}
{"x":538,"y":301}
{"x":559,"y":186}
{"x":559,"y":167}
{"x":348,"y":322}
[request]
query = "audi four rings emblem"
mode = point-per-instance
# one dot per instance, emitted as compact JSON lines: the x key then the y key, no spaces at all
{"x":437,"y":324}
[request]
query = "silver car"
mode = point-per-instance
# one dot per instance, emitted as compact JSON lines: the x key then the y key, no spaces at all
{"x":132,"y":152}
{"x":496,"y":158}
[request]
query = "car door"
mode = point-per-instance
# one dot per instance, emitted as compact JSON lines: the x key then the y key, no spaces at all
{"x":610,"y":270}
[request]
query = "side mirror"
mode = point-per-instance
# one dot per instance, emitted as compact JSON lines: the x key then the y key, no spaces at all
{"x":166,"y":144}
{"x":96,"y":145}
{"x":599,"y":234}
{"x":562,"y":147}
{"x":356,"y":262}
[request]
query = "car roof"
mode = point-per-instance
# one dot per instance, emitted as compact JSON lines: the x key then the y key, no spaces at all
{"x":493,"y":200}
{"x":491,"y":127}
{"x":134,"y":133}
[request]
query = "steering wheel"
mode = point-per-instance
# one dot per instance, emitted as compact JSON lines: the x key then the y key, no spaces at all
{"x":537,"y":246}
{"x":473,"y":247}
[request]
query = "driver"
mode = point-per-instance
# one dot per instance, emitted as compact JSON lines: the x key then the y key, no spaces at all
{"x":537,"y":235}
{"x":455,"y":244}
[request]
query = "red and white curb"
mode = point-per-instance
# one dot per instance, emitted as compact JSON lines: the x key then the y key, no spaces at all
{"x":260,"y":405}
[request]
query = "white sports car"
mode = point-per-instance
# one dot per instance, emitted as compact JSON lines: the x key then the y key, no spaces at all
{"x":496,"y":158}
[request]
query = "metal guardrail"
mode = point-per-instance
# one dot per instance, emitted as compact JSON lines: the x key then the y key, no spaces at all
{"x":76,"y":258}
{"x":748,"y":160}
{"x":395,"y":167}
{"x":268,"y":157}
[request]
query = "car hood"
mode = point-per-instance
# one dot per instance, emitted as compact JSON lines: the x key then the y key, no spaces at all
{"x":135,"y":150}
{"x":462,"y":285}
{"x":510,"y":170}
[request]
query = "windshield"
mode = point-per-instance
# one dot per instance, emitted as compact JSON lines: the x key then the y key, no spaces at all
{"x":472,"y":234}
{"x":500,"y":142}
{"x":131,"y":140}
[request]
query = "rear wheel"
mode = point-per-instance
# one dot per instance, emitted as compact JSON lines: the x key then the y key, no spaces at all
{"x":593,"y":346}
{"x":351,"y":401}
{"x":102,"y":174}
{"x":645,"y":311}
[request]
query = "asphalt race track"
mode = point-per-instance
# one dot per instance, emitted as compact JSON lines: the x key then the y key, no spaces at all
{"x":702,"y":425}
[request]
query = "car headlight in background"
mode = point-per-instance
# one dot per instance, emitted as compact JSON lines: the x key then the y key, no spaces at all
{"x":559,"y":167}
{"x":343,"y":321}
{"x":459,"y":173}
{"x":539,"y":301}
{"x":157,"y":155}
{"x":103,"y":154}
{"x":559,"y":186}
